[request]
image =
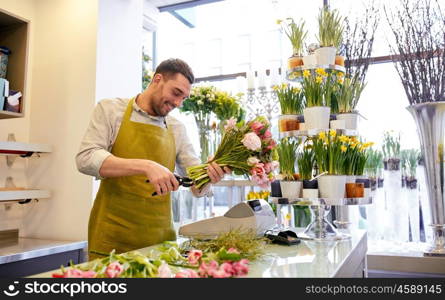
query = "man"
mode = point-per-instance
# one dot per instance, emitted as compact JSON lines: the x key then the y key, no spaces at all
{"x":127,"y":142}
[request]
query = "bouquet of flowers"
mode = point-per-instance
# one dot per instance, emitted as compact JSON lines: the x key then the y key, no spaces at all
{"x":247,"y":149}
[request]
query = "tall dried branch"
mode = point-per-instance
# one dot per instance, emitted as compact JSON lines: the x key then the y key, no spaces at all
{"x":418,"y":52}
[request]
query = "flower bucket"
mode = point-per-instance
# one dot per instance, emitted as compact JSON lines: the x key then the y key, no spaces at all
{"x":337,"y":124}
{"x":351,"y":120}
{"x":326,"y":55}
{"x":291,"y":189}
{"x":310,"y":60}
{"x":288,"y":123}
{"x":294,"y":61}
{"x":366,"y":183}
{"x":310,"y":193}
{"x":275,"y":187}
{"x":340,"y":60}
{"x":317,"y":117}
{"x":332,"y":186}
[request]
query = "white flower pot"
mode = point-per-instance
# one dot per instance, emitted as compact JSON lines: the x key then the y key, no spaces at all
{"x":326,"y":55}
{"x":317,"y":117}
{"x":310,"y":193}
{"x":351,"y":120}
{"x":337,"y":124}
{"x":310,"y":60}
{"x":332,"y":186}
{"x":291,"y":189}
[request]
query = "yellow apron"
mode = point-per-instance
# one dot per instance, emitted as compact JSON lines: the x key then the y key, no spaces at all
{"x":125,"y":216}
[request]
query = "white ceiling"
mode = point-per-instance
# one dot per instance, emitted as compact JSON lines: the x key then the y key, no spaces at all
{"x":160,"y":3}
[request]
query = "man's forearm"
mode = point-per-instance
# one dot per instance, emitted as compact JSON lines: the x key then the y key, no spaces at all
{"x":116,"y":167}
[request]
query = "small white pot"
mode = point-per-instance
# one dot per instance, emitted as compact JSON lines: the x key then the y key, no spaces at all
{"x":338,"y":124}
{"x":310,"y":60}
{"x":332,"y":186}
{"x":310,"y":193}
{"x":351,"y":120}
{"x":291,"y":189}
{"x":326,"y":55}
{"x":317,"y":117}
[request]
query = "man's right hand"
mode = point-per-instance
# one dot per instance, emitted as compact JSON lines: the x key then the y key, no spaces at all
{"x":161,"y":178}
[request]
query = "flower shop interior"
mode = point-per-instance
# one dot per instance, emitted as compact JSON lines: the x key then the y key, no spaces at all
{"x":345,"y":98}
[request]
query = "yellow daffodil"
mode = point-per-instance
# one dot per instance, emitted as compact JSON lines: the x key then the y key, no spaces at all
{"x":319,"y":79}
{"x":306,"y":73}
{"x":279,"y":21}
{"x":340,"y":80}
{"x":343,"y":148}
{"x":332,"y":132}
{"x":340,"y":74}
{"x":322,"y":135}
{"x":296,"y":90}
{"x":275,"y":87}
{"x":343,"y":139}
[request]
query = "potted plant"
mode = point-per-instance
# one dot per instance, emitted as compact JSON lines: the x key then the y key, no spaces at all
{"x":374,"y":163}
{"x":412,"y":159}
{"x":296,"y":34}
{"x":362,"y":157}
{"x":310,"y":60}
{"x":287,"y":153}
{"x":305,"y":162}
{"x":317,"y":110}
{"x":391,"y":151}
{"x":329,"y":152}
{"x":292,"y":102}
{"x":330,"y":31}
{"x":347,"y":95}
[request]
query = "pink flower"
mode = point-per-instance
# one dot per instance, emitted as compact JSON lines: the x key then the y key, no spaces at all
{"x":233,"y":250}
{"x":267,"y":134}
{"x":187,"y":273}
{"x":207,"y":269}
{"x":240,"y":268}
{"x":164,"y":271}
{"x":75,"y":273}
{"x":194,"y":256}
{"x":253,"y":160}
{"x":268,"y":167}
{"x":230,"y":124}
{"x":271,"y":145}
{"x":227,"y":268}
{"x":251,"y":141}
{"x":114,"y":269}
{"x":257,"y":126}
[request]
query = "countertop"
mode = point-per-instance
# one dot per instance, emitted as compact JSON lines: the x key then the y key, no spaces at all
{"x":345,"y":258}
{"x":26,"y":248}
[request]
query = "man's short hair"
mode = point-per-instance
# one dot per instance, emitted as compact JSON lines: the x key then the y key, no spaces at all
{"x":172,"y":66}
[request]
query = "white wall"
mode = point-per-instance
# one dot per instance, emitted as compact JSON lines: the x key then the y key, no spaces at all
{"x":119,"y":49}
{"x":63,"y":94}
{"x":80,"y":51}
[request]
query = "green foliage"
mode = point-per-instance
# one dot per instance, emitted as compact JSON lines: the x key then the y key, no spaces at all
{"x":391,"y":145}
{"x":228,"y":106}
{"x":330,"y":28}
{"x":348,"y":93}
{"x":296,"y":34}
{"x":146,"y":74}
{"x":305,"y":162}
{"x":292,"y":101}
{"x":374,"y":162}
{"x":287,"y":153}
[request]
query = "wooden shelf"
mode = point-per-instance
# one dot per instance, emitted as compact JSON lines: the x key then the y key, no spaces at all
{"x":23,"y":194}
{"x":8,"y":114}
{"x":18,"y":148}
{"x":14,"y":36}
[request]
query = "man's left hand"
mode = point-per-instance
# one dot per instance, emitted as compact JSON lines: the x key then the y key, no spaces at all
{"x":216,"y":173}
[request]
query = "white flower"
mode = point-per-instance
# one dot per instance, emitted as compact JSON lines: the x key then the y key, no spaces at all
{"x":253,"y":160}
{"x":251,"y":141}
{"x":200,"y":102}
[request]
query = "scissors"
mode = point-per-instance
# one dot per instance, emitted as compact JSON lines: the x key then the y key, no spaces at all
{"x":184,"y":181}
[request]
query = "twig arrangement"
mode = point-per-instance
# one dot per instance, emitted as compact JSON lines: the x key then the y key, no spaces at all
{"x":418,"y":51}
{"x":358,"y":42}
